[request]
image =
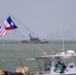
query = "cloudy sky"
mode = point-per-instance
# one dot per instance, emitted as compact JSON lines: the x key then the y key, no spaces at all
{"x":46,"y":19}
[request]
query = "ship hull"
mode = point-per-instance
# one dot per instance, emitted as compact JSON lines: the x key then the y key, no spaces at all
{"x":30,"y":42}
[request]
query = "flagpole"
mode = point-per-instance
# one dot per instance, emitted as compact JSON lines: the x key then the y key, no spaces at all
{"x":22,"y":24}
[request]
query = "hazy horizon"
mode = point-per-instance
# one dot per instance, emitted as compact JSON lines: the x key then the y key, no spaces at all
{"x":47,"y":19}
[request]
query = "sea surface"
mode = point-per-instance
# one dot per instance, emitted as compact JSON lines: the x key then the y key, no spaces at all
{"x":14,"y":55}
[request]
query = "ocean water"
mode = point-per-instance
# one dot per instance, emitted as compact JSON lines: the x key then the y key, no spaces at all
{"x":14,"y":55}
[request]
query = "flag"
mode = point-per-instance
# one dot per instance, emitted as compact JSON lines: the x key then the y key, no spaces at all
{"x":2,"y":31}
{"x":9,"y":24}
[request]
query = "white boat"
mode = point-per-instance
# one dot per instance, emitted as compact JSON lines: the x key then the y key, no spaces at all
{"x":50,"y":61}
{"x":48,"y":65}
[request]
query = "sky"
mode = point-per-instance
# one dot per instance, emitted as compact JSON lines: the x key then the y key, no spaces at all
{"x":46,"y":19}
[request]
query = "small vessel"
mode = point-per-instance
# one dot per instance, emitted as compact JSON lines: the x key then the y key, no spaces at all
{"x":64,"y":59}
{"x":50,"y":65}
{"x":34,"y":40}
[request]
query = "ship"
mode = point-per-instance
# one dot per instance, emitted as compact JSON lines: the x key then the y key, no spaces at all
{"x":34,"y":40}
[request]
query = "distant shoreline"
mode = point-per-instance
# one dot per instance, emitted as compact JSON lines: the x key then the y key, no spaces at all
{"x":50,"y":42}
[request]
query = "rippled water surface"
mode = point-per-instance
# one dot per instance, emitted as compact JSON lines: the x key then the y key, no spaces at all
{"x":15,"y":55}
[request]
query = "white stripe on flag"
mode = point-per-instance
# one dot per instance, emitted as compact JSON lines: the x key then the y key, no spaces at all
{"x":2,"y":31}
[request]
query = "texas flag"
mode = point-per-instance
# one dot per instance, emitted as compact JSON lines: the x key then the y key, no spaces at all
{"x":9,"y":24}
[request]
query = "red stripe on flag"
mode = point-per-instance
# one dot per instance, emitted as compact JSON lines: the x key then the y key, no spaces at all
{"x":2,"y":32}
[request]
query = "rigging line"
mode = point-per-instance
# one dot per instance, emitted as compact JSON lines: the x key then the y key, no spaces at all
{"x":20,"y":34}
{"x":34,"y":44}
{"x":26,"y":38}
{"x":1,"y":22}
{"x":40,"y":49}
{"x":23,"y":24}
{"x":39,"y":65}
{"x":21,"y":62}
{"x":18,"y":58}
{"x":49,"y":49}
{"x":29,"y":30}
